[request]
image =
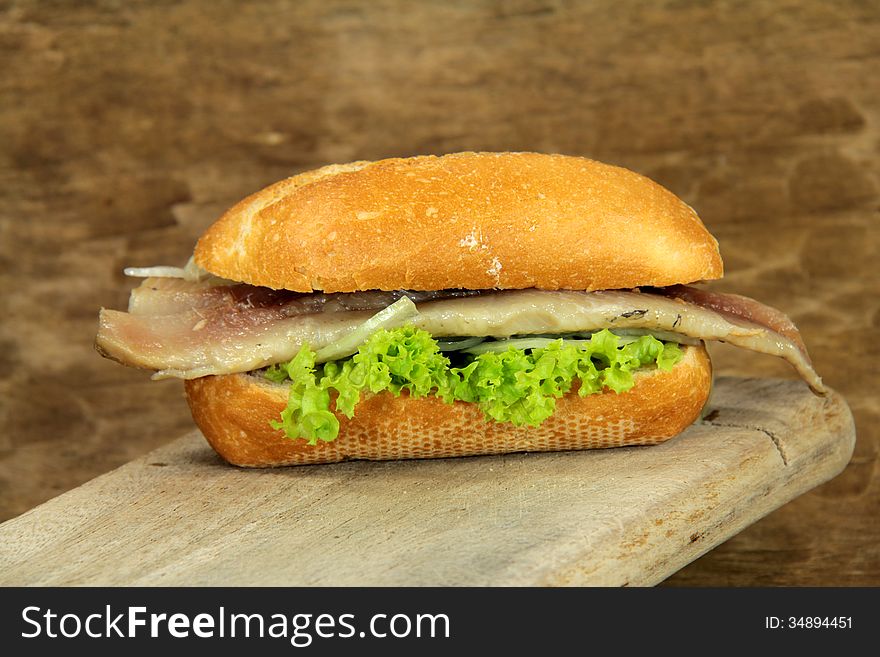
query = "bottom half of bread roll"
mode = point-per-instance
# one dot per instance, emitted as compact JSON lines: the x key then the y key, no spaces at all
{"x":234,"y":412}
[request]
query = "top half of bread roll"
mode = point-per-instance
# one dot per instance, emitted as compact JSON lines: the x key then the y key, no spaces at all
{"x":466,"y":220}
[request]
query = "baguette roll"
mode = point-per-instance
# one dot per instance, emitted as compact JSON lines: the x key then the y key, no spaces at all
{"x":466,"y":221}
{"x":233,"y":413}
{"x":453,"y":255}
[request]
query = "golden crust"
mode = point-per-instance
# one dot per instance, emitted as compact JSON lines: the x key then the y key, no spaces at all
{"x":233,"y":412}
{"x":466,"y":220}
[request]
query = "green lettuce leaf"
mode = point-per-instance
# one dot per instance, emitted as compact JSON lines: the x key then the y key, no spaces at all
{"x":308,"y":404}
{"x":509,"y":383}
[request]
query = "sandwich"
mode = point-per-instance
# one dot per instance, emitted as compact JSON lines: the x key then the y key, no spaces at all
{"x":472,"y":303}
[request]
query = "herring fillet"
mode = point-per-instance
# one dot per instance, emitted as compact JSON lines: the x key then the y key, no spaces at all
{"x":223,"y":338}
{"x":167,"y":296}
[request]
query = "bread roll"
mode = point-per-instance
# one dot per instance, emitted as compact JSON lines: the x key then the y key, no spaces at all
{"x":233,"y":412}
{"x":467,"y":220}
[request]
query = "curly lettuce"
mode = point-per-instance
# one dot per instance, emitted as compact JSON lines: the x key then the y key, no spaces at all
{"x":509,"y":384}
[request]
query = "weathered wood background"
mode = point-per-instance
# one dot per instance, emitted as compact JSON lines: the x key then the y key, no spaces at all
{"x":126,"y":127}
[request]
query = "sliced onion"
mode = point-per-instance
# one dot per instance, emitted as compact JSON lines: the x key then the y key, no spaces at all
{"x":458,"y":344}
{"x":155,"y":272}
{"x":519,"y":343}
{"x":190,"y":272}
{"x":397,"y":314}
{"x":541,"y":342}
{"x":663,"y":336}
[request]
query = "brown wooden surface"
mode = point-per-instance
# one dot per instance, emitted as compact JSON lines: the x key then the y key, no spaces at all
{"x":125,"y":128}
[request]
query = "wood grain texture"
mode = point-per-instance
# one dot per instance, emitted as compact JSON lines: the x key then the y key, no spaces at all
{"x":126,"y":128}
{"x":626,"y":516}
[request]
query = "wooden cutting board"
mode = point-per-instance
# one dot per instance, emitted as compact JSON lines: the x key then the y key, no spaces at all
{"x":631,"y":516}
